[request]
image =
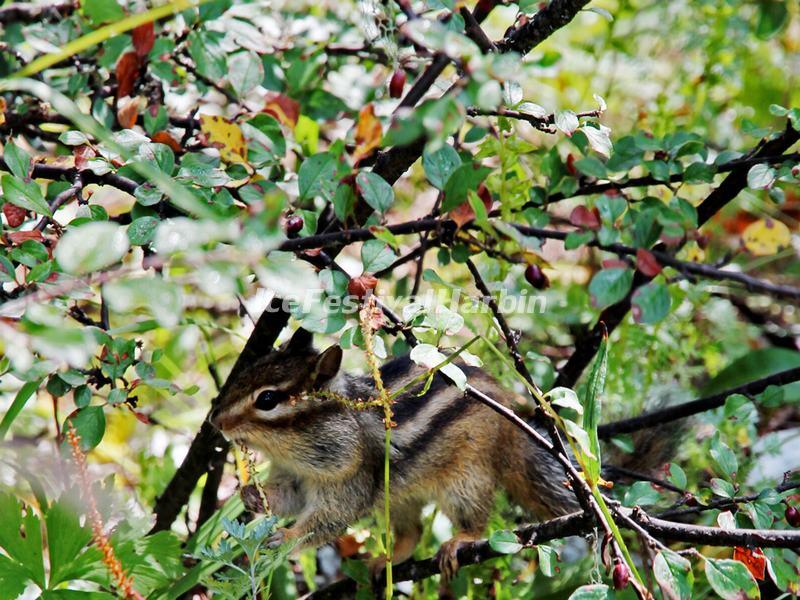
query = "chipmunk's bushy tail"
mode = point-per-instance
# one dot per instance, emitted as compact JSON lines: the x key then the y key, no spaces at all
{"x":537,"y":482}
{"x":653,"y":447}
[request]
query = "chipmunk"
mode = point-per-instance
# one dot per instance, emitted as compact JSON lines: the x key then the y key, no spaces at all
{"x":327,"y":458}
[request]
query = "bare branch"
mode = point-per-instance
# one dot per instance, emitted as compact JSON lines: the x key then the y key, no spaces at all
{"x":687,"y":409}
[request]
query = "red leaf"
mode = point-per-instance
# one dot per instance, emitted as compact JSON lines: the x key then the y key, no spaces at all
{"x":462,"y":214}
{"x":162,"y":137}
{"x":17,"y":237}
{"x":127,"y":112}
{"x":647,"y":263}
{"x":15,"y":215}
{"x":362,"y":285}
{"x":82,"y":154}
{"x":143,"y":418}
{"x":143,"y":39}
{"x":754,"y":560}
{"x":127,"y":71}
{"x":283,"y":108}
{"x":583,"y":217}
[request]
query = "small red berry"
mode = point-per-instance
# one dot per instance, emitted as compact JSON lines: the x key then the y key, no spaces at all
{"x":15,"y":215}
{"x":294,"y":224}
{"x":536,"y":277}
{"x":397,"y":83}
{"x":792,"y":516}
{"x":621,"y":576}
{"x":690,"y":499}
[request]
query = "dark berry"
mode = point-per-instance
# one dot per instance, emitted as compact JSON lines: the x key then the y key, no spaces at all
{"x":792,"y":516}
{"x":621,"y":576}
{"x":294,"y":224}
{"x":397,"y":83}
{"x":536,"y":277}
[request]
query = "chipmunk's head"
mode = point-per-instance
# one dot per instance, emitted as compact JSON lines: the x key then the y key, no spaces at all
{"x":267,"y":396}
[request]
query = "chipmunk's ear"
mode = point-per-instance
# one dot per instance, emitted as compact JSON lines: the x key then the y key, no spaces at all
{"x":328,"y":364}
{"x":300,"y":343}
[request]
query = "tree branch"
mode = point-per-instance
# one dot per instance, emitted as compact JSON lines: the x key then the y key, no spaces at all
{"x":28,"y":12}
{"x":580,"y":524}
{"x":687,"y":409}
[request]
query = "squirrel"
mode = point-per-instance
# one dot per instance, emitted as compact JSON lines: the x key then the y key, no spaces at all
{"x":327,"y":458}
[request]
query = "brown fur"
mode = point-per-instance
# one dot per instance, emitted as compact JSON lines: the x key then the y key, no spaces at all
{"x":327,"y":458}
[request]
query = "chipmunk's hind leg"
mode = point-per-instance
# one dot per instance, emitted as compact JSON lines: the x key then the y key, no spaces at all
{"x":468,"y":504}
{"x":406,"y":529}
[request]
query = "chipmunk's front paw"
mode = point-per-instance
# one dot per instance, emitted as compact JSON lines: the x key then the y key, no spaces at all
{"x":281,"y":536}
{"x":251,"y":499}
{"x":447,"y":557}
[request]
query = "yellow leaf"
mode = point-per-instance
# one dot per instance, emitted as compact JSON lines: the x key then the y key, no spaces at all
{"x":368,"y":133}
{"x":225,"y":135}
{"x":766,"y":237}
{"x":693,"y":253}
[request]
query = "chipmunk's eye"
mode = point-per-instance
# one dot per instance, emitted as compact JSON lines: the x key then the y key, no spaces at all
{"x":269,"y":399}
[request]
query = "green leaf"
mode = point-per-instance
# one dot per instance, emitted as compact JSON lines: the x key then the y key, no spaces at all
{"x":731,"y":579}
{"x":699,"y":173}
{"x":65,"y":540}
{"x":245,"y":72}
{"x":142,"y":230}
{"x":466,"y":177}
{"x":641,"y":493}
{"x":772,"y":16}
{"x":376,"y":255}
{"x":25,"y":194}
{"x":317,"y":176}
{"x":592,"y":167}
{"x":161,"y":297}
{"x":440,"y":165}
{"x":651,"y":303}
{"x":504,"y":542}
{"x":21,"y":537}
{"x":576,"y":239}
{"x":595,"y":591}
{"x":548,"y":557}
{"x":609,"y":286}
{"x":677,"y":476}
{"x":658,"y":169}
{"x":592,"y":408}
{"x":17,"y":160}
{"x":611,"y":208}
{"x":90,"y":424}
{"x":22,"y":397}
{"x":82,"y":396}
{"x":724,"y":457}
{"x":102,"y":11}
{"x":91,"y":247}
{"x":722,"y":488}
{"x":674,"y":575}
{"x":760,"y":177}
{"x":344,"y":201}
{"x":566,"y":121}
{"x":375,"y":190}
